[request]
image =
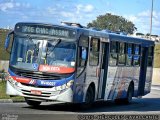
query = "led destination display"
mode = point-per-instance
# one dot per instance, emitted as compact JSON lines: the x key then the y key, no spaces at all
{"x":45,"y":30}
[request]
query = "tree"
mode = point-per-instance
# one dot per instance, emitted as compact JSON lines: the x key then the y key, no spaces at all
{"x":114,"y":23}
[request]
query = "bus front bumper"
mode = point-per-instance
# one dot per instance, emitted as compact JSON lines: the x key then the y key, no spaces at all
{"x":39,"y":94}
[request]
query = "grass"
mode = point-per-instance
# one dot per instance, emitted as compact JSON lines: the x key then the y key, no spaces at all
{"x":157,"y":56}
{"x":3,"y":54}
{"x":3,"y":94}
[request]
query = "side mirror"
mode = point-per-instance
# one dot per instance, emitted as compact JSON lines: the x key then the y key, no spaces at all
{"x":7,"y":42}
{"x":84,"y":54}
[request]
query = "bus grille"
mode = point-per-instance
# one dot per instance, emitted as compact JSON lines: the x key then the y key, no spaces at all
{"x":31,"y":85}
{"x":40,"y":76}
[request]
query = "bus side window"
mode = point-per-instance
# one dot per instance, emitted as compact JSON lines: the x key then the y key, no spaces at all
{"x":83,"y":51}
{"x":121,"y":55}
{"x":94,"y":52}
{"x":136,"y":57}
{"x":150,"y":56}
{"x":113,"y":53}
{"x":129,"y":54}
{"x":82,"y":56}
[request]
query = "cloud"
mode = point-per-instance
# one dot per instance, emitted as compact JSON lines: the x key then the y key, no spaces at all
{"x":5,"y":6}
{"x":67,"y":14}
{"x":53,"y":12}
{"x":88,"y":8}
{"x":142,"y":21}
{"x":84,"y":8}
{"x":11,"y":5}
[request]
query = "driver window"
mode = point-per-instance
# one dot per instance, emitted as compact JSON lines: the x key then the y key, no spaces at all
{"x":83,"y":50}
{"x":83,"y":56}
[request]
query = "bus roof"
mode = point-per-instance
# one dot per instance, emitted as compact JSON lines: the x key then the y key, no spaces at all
{"x":97,"y":33}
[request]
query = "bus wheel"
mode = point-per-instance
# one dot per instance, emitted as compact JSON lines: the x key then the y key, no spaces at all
{"x":128,"y":98}
{"x":89,"y":96}
{"x":130,"y":91}
{"x":89,"y":99}
{"x":32,"y":103}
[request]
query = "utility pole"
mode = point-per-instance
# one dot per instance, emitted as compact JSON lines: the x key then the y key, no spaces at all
{"x":151,"y":20}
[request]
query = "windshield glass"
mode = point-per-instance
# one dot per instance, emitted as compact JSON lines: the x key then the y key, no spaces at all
{"x":56,"y":55}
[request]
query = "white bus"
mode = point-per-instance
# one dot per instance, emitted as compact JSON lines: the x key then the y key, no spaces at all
{"x":76,"y":64}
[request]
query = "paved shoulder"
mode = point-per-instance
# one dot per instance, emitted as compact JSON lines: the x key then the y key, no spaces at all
{"x":155,"y":87}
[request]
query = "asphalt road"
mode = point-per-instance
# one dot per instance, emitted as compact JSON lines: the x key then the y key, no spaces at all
{"x":148,"y":105}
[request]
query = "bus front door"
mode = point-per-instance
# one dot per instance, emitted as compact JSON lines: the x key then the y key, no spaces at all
{"x":103,"y":70}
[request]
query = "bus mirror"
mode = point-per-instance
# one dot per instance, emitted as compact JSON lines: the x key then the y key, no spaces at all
{"x":84,"y":53}
{"x":7,"y":42}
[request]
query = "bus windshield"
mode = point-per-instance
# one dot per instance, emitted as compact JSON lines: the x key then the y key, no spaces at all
{"x":52,"y":55}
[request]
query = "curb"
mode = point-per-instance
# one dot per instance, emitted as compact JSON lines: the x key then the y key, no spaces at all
{"x":6,"y":101}
{"x":10,"y":101}
{"x":155,"y":87}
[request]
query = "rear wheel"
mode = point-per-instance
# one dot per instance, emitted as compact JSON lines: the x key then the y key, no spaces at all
{"x":130,"y":91}
{"x":129,"y":96}
{"x":32,"y":103}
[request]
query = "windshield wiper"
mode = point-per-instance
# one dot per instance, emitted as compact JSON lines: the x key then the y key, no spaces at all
{"x":54,"y":44}
{"x":29,"y":37}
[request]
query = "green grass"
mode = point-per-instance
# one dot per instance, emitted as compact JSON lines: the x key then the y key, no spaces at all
{"x":157,"y":56}
{"x":3,"y":94}
{"x":3,"y":54}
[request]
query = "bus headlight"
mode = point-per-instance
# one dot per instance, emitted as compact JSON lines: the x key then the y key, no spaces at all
{"x":64,"y":86}
{"x":11,"y":80}
{"x":58,"y":88}
{"x":69,"y":84}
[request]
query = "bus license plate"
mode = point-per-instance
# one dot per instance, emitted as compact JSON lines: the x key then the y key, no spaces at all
{"x":36,"y":92}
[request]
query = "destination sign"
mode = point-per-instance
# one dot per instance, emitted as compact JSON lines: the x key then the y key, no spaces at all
{"x":45,"y":30}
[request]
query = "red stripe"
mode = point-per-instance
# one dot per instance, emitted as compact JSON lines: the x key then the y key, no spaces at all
{"x":21,"y":80}
{"x":56,"y":69}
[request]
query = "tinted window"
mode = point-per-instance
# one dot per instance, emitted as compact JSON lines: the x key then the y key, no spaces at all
{"x":94,"y":52}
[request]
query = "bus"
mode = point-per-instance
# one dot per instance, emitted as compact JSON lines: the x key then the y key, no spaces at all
{"x":73,"y":64}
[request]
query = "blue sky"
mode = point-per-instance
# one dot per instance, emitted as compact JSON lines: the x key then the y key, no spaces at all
{"x":82,"y":11}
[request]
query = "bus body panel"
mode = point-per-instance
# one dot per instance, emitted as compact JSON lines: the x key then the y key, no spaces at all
{"x":119,"y":79}
{"x":148,"y":82}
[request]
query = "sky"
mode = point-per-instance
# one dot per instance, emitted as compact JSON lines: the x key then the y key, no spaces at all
{"x":80,"y":11}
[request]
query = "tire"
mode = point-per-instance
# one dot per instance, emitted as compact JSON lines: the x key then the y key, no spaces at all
{"x":128,"y":98}
{"x":130,"y":92}
{"x":32,"y":103}
{"x":89,"y":99}
{"x":89,"y":96}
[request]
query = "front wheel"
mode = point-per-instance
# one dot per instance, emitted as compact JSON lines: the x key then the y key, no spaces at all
{"x":89,"y":99}
{"x":89,"y":96}
{"x":32,"y":103}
